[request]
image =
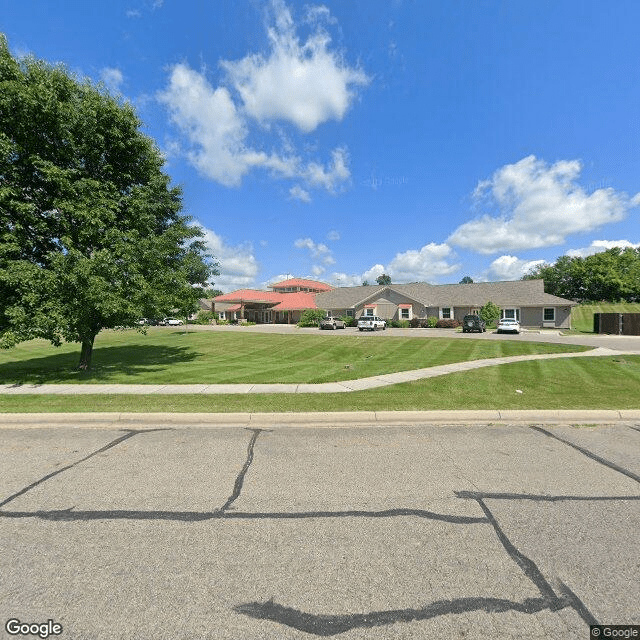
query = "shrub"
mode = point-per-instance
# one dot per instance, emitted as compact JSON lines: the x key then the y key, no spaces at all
{"x":311,"y":317}
{"x":204,"y":317}
{"x":448,"y":323}
{"x":490,"y":313}
{"x":423,"y":323}
{"x":349,"y":321}
{"x":402,"y":324}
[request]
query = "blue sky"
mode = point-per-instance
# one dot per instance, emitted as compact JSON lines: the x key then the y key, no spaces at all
{"x":340,"y":140}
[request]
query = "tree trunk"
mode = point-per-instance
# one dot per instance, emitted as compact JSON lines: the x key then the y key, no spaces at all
{"x":85,"y":353}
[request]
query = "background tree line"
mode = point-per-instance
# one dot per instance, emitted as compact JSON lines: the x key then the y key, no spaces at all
{"x":612,"y":275}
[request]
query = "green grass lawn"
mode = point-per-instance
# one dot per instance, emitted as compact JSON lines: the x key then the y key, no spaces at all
{"x":574,"y":383}
{"x":582,"y":315}
{"x":171,"y":356}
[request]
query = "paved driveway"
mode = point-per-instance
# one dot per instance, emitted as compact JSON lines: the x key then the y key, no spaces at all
{"x":430,"y":531}
{"x":623,"y":343}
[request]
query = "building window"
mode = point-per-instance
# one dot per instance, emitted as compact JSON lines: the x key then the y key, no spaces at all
{"x":512,"y":314}
{"x":404,"y":314}
{"x":475,"y":311}
{"x":549,"y":314}
{"x":446,"y":313}
{"x":370,"y":312}
{"x":350,"y":313}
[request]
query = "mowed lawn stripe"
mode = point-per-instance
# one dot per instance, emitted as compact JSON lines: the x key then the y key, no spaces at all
{"x":165,"y":356}
{"x":575,"y":383}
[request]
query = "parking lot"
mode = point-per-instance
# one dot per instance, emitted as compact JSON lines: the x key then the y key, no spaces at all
{"x":423,"y":531}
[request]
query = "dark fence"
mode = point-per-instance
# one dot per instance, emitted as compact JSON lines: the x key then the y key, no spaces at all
{"x":620,"y":324}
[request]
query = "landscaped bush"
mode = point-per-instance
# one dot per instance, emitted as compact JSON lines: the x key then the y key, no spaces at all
{"x":204,"y":317}
{"x":448,"y":323}
{"x":311,"y":317}
{"x":349,"y":321}
{"x":423,"y":323}
{"x":490,"y":313}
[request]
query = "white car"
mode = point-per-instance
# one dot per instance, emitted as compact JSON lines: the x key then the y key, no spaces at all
{"x":508,"y":325}
{"x":173,"y":322}
{"x":371,"y":323}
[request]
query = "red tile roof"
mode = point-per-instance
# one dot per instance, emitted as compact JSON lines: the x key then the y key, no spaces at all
{"x":300,"y":282}
{"x":282,"y":301}
{"x":300,"y":300}
{"x":249,"y":295}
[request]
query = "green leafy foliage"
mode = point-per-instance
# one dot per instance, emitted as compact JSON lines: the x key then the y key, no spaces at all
{"x":490,"y":313}
{"x":311,"y":317}
{"x":91,"y":234}
{"x":610,"y":276}
{"x":383,"y":279}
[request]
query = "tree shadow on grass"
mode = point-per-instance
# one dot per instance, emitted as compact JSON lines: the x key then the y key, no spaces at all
{"x":109,"y":364}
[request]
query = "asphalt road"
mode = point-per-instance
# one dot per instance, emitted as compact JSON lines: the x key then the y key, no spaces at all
{"x":433,"y":531}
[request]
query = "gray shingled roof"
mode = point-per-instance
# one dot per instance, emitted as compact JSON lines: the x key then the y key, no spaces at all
{"x":517,"y":293}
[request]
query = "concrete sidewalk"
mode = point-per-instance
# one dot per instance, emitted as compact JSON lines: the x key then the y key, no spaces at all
{"x":345,"y":386}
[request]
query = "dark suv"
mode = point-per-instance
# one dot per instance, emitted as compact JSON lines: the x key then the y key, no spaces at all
{"x":473,"y":323}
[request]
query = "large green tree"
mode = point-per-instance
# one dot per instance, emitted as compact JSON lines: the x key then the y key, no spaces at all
{"x":91,"y":234}
{"x":610,"y":275}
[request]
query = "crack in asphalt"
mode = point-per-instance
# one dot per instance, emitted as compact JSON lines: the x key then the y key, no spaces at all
{"x":328,"y":625}
{"x":130,"y":433}
{"x":333,"y":624}
{"x":237,"y":486}
{"x":590,"y":454}
{"x":71,"y":514}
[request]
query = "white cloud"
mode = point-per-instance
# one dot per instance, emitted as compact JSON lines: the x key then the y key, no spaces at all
{"x":238,"y":266}
{"x":415,"y":265}
{"x":333,"y":235}
{"x":318,"y":251}
{"x":305,"y":84}
{"x":298,"y":193}
{"x":598,"y":246}
{"x":425,"y":264}
{"x":538,"y":205}
{"x":337,"y":174}
{"x":345,"y":280}
{"x":319,"y":13}
{"x":112,"y":78}
{"x":509,"y":268}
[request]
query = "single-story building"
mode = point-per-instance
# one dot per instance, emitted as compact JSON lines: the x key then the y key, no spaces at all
{"x":285,"y":304}
{"x":523,"y":300}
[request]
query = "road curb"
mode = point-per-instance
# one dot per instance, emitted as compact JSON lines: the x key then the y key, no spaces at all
{"x":314,"y":419}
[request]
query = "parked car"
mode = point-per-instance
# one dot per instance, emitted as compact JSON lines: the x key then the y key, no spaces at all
{"x":172,"y":322}
{"x":508,"y":325}
{"x":329,"y":322}
{"x":472,"y":322}
{"x":371,"y":323}
{"x":143,"y":321}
